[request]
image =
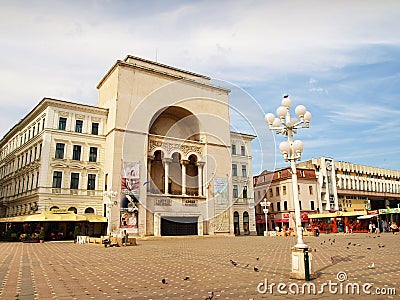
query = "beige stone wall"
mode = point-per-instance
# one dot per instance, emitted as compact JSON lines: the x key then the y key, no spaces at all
{"x":134,"y":95}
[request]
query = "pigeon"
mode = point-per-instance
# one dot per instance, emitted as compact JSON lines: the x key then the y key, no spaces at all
{"x":368,"y":248}
{"x":257,"y":258}
{"x":246,"y":265}
{"x":164,"y":281}
{"x":329,"y":239}
{"x":315,"y":250}
{"x":347,"y":247}
{"x":256,"y":269}
{"x":333,"y":240}
{"x":321,"y":243}
{"x":210,"y":297}
{"x":233,"y":262}
{"x":186,"y":278}
{"x":371,"y":266}
{"x":332,"y":259}
{"x":349,"y":243}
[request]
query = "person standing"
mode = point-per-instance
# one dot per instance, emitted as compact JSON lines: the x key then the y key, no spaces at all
{"x":124,"y":238}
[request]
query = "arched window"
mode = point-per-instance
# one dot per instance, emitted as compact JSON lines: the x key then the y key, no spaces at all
{"x":53,"y":207}
{"x":246,"y":223}
{"x":89,"y":210}
{"x":73,"y":209}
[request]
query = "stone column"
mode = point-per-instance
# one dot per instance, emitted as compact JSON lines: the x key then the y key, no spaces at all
{"x":184,"y":163}
{"x":166,"y":174}
{"x":200,"y":166}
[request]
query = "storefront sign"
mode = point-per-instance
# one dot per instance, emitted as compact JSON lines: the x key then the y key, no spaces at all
{"x":389,"y":211}
{"x":59,"y":211}
{"x":190,"y":202}
{"x":163,"y":202}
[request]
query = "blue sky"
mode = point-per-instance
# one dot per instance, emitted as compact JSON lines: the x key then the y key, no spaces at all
{"x":341,"y":59}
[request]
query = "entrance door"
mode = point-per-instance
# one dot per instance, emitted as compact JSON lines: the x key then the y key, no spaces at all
{"x":236,"y":223}
{"x":179,"y":226}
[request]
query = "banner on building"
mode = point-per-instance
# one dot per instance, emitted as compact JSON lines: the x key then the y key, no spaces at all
{"x":130,"y":188}
{"x":221,"y":198}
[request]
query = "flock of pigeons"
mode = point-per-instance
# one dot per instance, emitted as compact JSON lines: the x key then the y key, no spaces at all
{"x":256,"y":269}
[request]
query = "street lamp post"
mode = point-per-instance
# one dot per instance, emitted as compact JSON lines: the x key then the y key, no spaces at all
{"x":266,"y":205}
{"x":291,"y":151}
{"x":109,"y":204}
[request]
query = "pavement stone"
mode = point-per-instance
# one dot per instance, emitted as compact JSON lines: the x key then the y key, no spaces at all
{"x":197,"y":268}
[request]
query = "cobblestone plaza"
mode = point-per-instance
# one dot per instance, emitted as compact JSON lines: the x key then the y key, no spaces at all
{"x":199,"y":268}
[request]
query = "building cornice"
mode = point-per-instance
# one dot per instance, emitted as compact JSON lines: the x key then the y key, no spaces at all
{"x":42,"y":106}
{"x":120,"y":63}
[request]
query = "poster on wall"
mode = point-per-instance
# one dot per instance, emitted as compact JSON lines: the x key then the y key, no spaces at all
{"x":221,"y":196}
{"x":221,"y":191}
{"x":130,"y":186}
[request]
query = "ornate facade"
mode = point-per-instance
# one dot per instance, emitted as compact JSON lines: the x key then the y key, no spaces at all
{"x":158,"y":142}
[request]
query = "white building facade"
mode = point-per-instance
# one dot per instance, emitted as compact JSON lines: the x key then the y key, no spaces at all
{"x":242,"y":184}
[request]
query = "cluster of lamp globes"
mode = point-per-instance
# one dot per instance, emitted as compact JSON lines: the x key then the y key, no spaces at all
{"x":286,"y":125}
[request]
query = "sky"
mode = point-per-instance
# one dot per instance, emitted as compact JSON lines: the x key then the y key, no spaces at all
{"x":341,"y":59}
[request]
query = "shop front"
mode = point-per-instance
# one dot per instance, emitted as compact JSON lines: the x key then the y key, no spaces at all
{"x":58,"y":225}
{"x":340,"y":221}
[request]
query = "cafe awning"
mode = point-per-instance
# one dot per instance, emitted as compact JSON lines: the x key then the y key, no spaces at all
{"x":337,"y":214}
{"x":92,"y":218}
{"x":49,"y":216}
{"x":367,"y":216}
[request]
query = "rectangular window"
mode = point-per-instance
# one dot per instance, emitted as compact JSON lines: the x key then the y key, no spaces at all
{"x":277,"y":191}
{"x":37,"y":179}
{"x":43,"y":124}
{"x":271,"y":193}
{"x":78,"y":126}
{"x":312,"y":205}
{"x":234,"y":170}
{"x":57,"y":178}
{"x":284,"y":190}
{"x":95,"y":128}
{"x":258,"y":195}
{"x":91,"y":184}
{"x":33,"y":178}
{"x":76,"y":153}
{"x":40,"y":150}
{"x":62,"y":123}
{"x":233,"y":149}
{"x":242,"y":150}
{"x":74,"y":181}
{"x":60,"y":150}
{"x":285,"y":206}
{"x":93,"y":154}
{"x":245,"y":192}
{"x":235,"y":191}
{"x":105,"y":182}
{"x":244,"y":171}
{"x":278,"y":206}
{"x":300,"y":205}
{"x":310,"y":189}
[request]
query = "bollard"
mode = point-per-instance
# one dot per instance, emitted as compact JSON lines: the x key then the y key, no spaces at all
{"x":306,"y":265}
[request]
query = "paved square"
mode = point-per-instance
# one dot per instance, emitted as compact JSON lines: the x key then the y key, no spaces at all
{"x":196,"y":268}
